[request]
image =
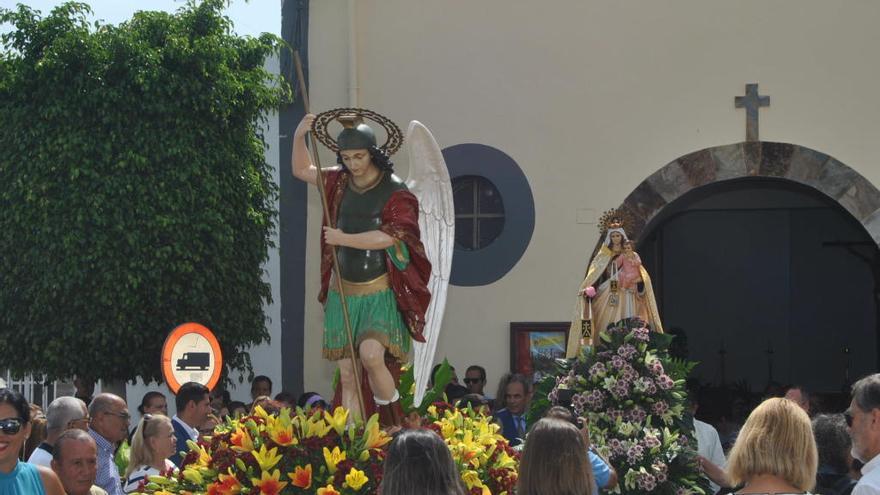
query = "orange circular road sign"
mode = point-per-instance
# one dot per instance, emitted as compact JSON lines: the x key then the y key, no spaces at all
{"x":191,"y":353}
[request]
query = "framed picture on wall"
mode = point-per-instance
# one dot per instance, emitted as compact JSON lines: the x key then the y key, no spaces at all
{"x":534,"y":347}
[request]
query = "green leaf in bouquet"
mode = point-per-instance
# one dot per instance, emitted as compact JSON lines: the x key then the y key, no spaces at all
{"x":407,"y":388}
{"x":540,"y":403}
{"x":442,"y":377}
{"x":334,"y":384}
{"x":661,"y":341}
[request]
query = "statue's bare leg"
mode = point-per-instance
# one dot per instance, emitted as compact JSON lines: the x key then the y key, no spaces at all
{"x":349,"y":389}
{"x":372,"y":354}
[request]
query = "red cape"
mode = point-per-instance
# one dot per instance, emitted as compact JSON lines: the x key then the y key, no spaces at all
{"x":400,"y":220}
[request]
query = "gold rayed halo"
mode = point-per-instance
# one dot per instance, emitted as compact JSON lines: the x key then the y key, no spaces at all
{"x":613,"y":219}
{"x":324,"y":119}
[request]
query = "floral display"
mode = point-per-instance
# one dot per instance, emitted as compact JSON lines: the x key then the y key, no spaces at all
{"x":633,"y":394}
{"x":279,"y":454}
{"x":488,"y":465}
{"x":303,"y":453}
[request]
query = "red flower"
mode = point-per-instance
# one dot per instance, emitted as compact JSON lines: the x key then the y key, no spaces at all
{"x":301,"y":478}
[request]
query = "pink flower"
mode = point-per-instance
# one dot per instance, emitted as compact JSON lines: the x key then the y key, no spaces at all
{"x":646,"y":481}
{"x":590,"y":292}
{"x":660,"y":407}
{"x":664,"y":382}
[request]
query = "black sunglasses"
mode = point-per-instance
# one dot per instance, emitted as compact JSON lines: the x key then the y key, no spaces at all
{"x":847,"y":415}
{"x":11,"y":426}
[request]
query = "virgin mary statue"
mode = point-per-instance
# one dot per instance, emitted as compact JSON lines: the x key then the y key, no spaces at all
{"x":616,"y":287}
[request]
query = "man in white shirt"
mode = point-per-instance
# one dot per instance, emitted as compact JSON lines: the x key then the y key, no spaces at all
{"x":64,"y":413}
{"x":863,"y":419}
{"x":709,"y":450}
{"x":711,"y":455}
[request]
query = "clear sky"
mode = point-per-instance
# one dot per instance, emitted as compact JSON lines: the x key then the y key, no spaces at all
{"x":248,"y":17}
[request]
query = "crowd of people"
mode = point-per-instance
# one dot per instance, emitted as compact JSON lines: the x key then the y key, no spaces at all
{"x":73,"y":446}
{"x":779,"y":448}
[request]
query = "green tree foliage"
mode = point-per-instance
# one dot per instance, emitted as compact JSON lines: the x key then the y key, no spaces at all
{"x":134,"y":192}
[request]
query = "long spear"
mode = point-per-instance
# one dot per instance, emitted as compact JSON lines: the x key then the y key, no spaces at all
{"x":316,"y":160}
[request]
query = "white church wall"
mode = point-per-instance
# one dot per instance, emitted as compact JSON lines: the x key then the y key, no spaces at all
{"x":589,"y":98}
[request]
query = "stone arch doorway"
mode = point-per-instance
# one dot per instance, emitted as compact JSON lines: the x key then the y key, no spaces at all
{"x":754,"y":288}
{"x":756,"y":159}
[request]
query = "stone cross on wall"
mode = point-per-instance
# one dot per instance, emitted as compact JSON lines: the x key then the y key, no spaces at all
{"x":752,"y":102}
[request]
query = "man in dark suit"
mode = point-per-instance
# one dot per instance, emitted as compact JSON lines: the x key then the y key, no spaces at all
{"x":517,"y":395}
{"x":193,"y":405}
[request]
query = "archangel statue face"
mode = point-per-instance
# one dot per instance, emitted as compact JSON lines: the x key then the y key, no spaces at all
{"x":358,"y":162}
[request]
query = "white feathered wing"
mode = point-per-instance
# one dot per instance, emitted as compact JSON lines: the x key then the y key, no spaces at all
{"x":429,"y":181}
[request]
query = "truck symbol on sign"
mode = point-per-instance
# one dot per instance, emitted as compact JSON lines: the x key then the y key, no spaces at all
{"x":200,"y":360}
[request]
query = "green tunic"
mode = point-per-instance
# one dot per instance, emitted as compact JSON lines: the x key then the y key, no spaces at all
{"x":372,"y":307}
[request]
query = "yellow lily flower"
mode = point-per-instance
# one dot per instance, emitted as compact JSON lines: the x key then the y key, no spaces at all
{"x":314,"y":426}
{"x":193,"y":476}
{"x":471,"y":479}
{"x":241,"y":440}
{"x":333,"y":458}
{"x":269,"y":484}
{"x":204,"y":458}
{"x":267,"y":459}
{"x":328,"y":490}
{"x":505,"y":461}
{"x":261,"y":413}
{"x":355,"y":479}
{"x":283,"y":435}
{"x":374,"y":437}
{"x":337,"y":420}
{"x":281,"y":430}
{"x":447,"y":429}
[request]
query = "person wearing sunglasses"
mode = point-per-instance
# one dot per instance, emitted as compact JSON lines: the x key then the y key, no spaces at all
{"x":475,"y":381}
{"x":16,"y":476}
{"x":108,"y":426}
{"x":64,"y":413}
{"x":154,"y":442}
{"x":863,"y":420}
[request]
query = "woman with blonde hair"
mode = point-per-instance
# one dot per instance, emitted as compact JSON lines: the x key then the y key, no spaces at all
{"x":153,"y":443}
{"x":554,"y":461}
{"x":775,"y":451}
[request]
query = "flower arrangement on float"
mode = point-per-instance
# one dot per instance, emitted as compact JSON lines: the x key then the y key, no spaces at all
{"x":487,"y":463}
{"x":634,"y":395}
{"x":301,"y":452}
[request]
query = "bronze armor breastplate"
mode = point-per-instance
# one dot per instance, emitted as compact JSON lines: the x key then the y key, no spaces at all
{"x":362,"y":212}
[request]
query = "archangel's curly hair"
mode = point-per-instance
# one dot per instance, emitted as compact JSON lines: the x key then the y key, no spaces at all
{"x":378,"y":157}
